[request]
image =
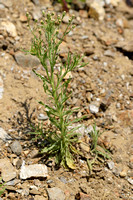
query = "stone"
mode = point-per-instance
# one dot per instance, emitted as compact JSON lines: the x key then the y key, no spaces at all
{"x":1,"y":88}
{"x":83,"y":13}
{"x":23,"y":18}
{"x":123,"y":173}
{"x":26,"y":60}
{"x":35,"y":170}
{"x":38,"y":197}
{"x":10,"y":28}
{"x":13,"y":182}
{"x":33,"y":153}
{"x":111,"y":165}
{"x":8,"y":171}
{"x":16,"y":148}
{"x":63,"y":48}
{"x":130,"y":180}
{"x":109,"y":53}
{"x":66,"y":18}
{"x":115,"y":2}
{"x":85,"y":147}
{"x":36,"y":2}
{"x":55,"y":193}
{"x":93,"y":109}
{"x":34,"y":191}
{"x":96,"y":11}
{"x":2,"y":8}
{"x":125,"y":117}
{"x":41,"y":116}
{"x":126,"y":46}
{"x":7,"y":3}
{"x":68,"y":75}
{"x":84,"y":196}
{"x":36,"y":14}
{"x":63,"y":179}
{"x":4,"y":136}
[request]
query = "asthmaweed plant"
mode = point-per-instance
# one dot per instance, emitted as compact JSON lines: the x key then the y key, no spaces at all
{"x":45,"y":46}
{"x":2,"y":188}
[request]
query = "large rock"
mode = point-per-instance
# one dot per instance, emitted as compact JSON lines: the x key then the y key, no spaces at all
{"x":9,"y":27}
{"x":26,"y":60}
{"x":8,"y":171}
{"x":55,"y":193}
{"x":35,"y":170}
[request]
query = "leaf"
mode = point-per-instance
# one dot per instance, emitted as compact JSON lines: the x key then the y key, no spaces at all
{"x":70,"y":163}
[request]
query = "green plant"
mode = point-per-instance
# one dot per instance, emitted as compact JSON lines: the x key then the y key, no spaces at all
{"x":45,"y":45}
{"x":96,"y":150}
{"x":2,"y":188}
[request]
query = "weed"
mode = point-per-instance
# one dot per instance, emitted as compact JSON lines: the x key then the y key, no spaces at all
{"x":2,"y":188}
{"x":96,"y":150}
{"x":45,"y":46}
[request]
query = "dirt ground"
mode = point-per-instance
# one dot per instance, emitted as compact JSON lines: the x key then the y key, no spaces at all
{"x":103,"y":90}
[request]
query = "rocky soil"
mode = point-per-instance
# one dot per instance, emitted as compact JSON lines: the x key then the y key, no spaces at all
{"x":103,"y":90}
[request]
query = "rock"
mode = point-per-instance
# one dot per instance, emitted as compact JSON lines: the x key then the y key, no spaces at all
{"x":111,"y":165}
{"x":96,"y":11}
{"x":123,"y":173}
{"x":130,"y":180}
{"x":7,"y":3}
{"x":4,"y":136}
{"x":16,"y":148}
{"x":8,"y":171}
{"x":1,"y":87}
{"x":84,"y":196}
{"x":85,"y":147}
{"x":125,"y":46}
{"x":35,"y":170}
{"x":34,"y":191}
{"x":63,"y":179}
{"x":109,"y":53}
{"x":36,"y":14}
{"x":115,"y":2}
{"x":10,"y":28}
{"x":38,"y":197}
{"x":23,"y":18}
{"x":26,"y":60}
{"x":63,"y":48}
{"x":36,"y":2}
{"x":66,"y":19}
{"x":13,"y":182}
{"x":125,"y":117}
{"x":93,"y":109}
{"x":68,"y":75}
{"x":83,"y":13}
{"x":33,"y":153}
{"x":23,"y":192}
{"x":41,"y":116}
{"x":55,"y":193}
{"x":19,"y":164}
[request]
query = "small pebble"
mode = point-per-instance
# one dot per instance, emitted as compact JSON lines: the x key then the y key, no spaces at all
{"x":111,"y":165}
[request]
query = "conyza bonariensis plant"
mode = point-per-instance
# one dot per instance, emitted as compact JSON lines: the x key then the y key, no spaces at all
{"x":45,"y":46}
